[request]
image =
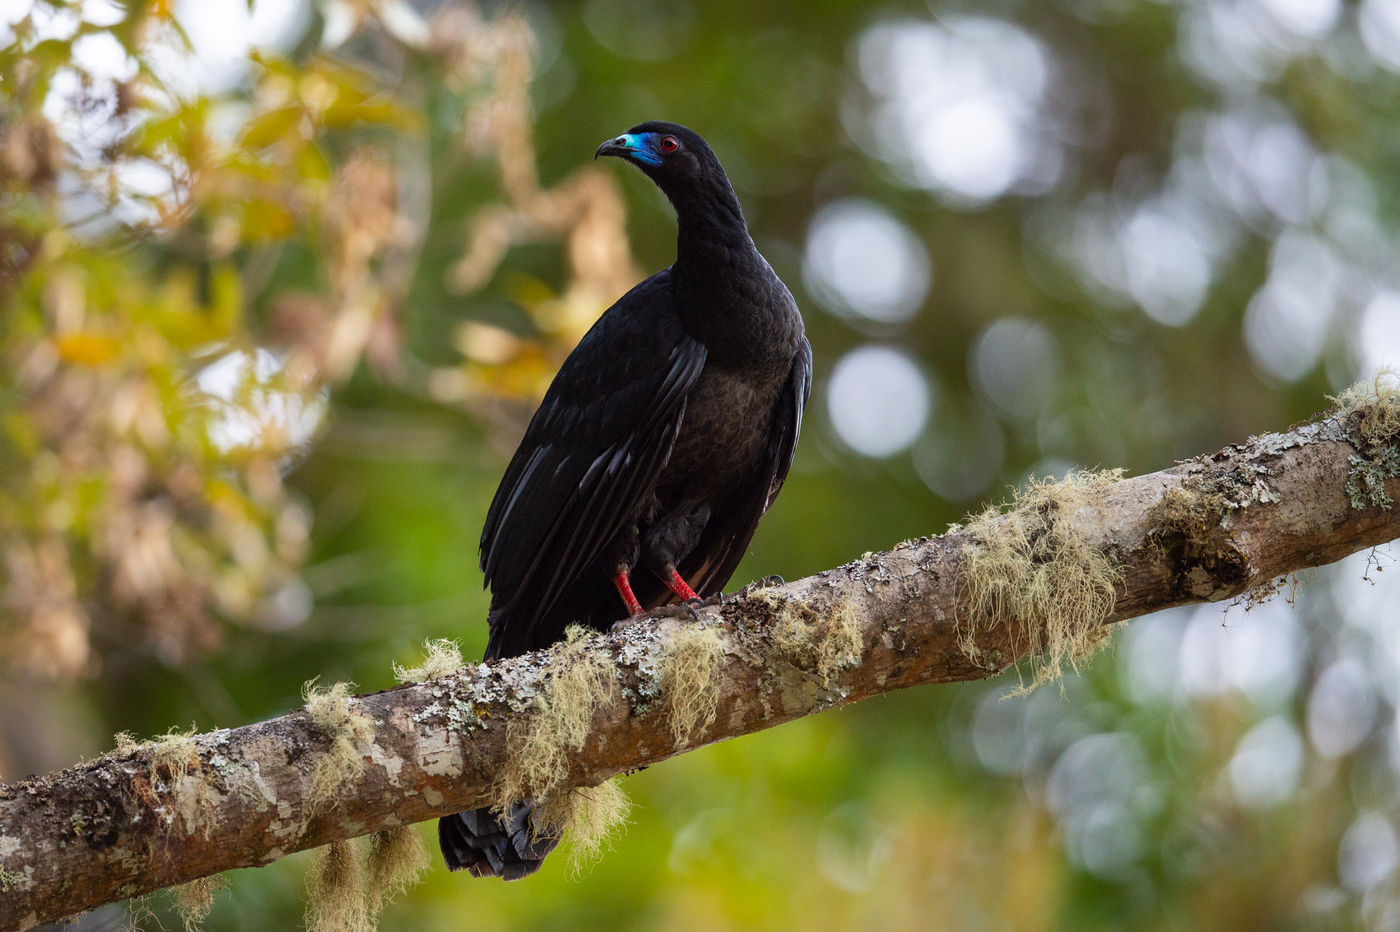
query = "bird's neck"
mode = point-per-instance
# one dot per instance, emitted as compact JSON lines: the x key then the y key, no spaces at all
{"x":713,"y":239}
{"x":726,"y":294}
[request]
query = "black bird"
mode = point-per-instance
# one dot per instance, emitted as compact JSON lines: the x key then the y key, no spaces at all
{"x":664,"y":438}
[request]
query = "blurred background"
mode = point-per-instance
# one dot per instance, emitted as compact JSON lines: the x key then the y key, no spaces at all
{"x":282,"y":281}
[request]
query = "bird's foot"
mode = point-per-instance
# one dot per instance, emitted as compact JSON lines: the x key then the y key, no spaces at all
{"x":620,"y":626}
{"x":689,"y":609}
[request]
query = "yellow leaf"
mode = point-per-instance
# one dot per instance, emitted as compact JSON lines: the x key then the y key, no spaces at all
{"x":264,"y":220}
{"x":87,"y":349}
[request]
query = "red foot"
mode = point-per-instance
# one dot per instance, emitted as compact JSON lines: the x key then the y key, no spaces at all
{"x":624,"y":589}
{"x":679,"y":587}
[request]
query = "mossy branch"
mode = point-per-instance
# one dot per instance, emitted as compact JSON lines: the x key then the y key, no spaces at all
{"x":1041,"y":578}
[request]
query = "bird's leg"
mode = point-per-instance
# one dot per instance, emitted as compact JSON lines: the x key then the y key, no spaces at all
{"x":624,"y":589}
{"x":676,"y":584}
{"x":689,"y":598}
{"x":668,"y":540}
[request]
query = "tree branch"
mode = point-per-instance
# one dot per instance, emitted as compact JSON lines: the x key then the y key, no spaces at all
{"x":961,"y":606}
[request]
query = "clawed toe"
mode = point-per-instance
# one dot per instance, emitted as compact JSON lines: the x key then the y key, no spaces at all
{"x":684,"y":609}
{"x":620,"y":626}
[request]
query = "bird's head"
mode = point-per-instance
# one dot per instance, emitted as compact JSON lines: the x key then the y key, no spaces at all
{"x":674,"y":157}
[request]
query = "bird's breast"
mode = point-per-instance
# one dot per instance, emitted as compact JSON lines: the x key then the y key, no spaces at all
{"x":724,"y":435}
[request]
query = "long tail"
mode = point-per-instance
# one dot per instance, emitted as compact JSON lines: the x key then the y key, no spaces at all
{"x":490,"y":845}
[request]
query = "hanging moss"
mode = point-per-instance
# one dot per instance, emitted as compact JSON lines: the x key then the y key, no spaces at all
{"x":1188,"y":527}
{"x":689,"y":669}
{"x":195,"y":899}
{"x":588,"y":816}
{"x":1028,"y":566}
{"x":170,"y":756}
{"x":396,"y":859}
{"x":443,"y":657}
{"x":336,"y":897}
{"x":349,"y":730}
{"x":578,"y":681}
{"x":170,"y":759}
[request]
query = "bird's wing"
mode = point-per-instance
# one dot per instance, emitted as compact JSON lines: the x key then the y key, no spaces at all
{"x":787,"y":427}
{"x":590,"y":456}
{"x":726,"y":538}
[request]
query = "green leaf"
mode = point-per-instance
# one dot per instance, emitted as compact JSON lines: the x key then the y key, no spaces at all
{"x":274,"y":126}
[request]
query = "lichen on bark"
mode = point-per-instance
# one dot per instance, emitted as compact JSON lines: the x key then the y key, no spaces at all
{"x":1370,"y":413}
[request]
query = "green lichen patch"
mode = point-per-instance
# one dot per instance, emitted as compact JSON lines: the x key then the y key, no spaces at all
{"x":442,"y":657}
{"x":336,"y":897}
{"x":577,"y":681}
{"x":1188,"y":526}
{"x":348,"y":729}
{"x":689,"y":676}
{"x":397,"y":858}
{"x":1369,"y":412}
{"x":12,"y":881}
{"x":1028,"y":567}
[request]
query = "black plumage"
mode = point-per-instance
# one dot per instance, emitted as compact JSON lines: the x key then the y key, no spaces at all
{"x":660,"y":444}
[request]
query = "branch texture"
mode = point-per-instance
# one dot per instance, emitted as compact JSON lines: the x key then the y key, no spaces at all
{"x":1041,"y":578}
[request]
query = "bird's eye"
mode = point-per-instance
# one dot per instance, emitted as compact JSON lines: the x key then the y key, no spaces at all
{"x":670,"y":143}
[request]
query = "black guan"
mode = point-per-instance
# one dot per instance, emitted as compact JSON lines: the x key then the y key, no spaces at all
{"x":660,"y":444}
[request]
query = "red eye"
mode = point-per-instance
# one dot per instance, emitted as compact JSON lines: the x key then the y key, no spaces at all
{"x":670,"y":144}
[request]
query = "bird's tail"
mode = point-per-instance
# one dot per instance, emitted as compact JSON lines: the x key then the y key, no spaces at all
{"x":491,"y":844}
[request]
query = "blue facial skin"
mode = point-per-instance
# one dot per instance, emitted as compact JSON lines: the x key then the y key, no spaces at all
{"x":640,"y":146}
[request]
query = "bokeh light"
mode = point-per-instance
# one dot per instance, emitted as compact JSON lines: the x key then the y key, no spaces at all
{"x":862,"y":262}
{"x":879,"y":400}
{"x":1099,"y":791}
{"x":212,"y":55}
{"x":1379,"y":21}
{"x":644,"y":30}
{"x":957,"y":106}
{"x":1266,"y":765}
{"x":1375,"y":342}
{"x":1286,"y":323}
{"x":960,"y":460}
{"x":1341,"y":708}
{"x":1369,"y":852}
{"x":1015,"y":363}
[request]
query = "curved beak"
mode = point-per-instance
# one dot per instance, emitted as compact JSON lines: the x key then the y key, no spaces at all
{"x":620,"y":146}
{"x":630,"y":147}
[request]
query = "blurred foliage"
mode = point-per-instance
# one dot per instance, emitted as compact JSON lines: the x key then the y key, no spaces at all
{"x":281,"y":283}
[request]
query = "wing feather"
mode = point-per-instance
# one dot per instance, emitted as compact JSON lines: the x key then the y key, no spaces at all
{"x":583,"y":469}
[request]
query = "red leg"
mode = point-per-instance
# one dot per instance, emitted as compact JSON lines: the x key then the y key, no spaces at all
{"x":624,"y":589}
{"x":679,"y":587}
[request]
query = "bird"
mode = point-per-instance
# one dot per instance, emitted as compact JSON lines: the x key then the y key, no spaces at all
{"x":663,"y":439}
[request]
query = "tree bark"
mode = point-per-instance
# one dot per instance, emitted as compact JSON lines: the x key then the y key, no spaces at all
{"x":1212,"y":528}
